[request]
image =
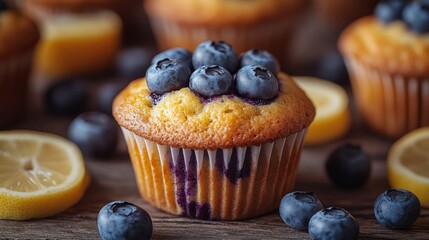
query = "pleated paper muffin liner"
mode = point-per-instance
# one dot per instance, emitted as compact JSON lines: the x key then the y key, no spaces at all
{"x":392,"y":104}
{"x":272,"y":35}
{"x":14,"y":77}
{"x":220,"y":184}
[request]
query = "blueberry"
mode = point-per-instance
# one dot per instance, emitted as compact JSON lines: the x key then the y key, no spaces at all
{"x":416,"y":16}
{"x":296,"y":209}
{"x":215,"y":53}
{"x":331,"y":67}
{"x":396,"y":208}
{"x":388,"y":11}
{"x":124,"y":220}
{"x":66,"y":97}
{"x":105,"y":95}
{"x":333,"y":223}
{"x":3,"y":6}
{"x":167,"y":75}
{"x":348,"y":166}
{"x":133,"y":62}
{"x":179,"y":54}
{"x":256,"y":82}
{"x":258,"y":57}
{"x":210,"y":81}
{"x":95,"y":133}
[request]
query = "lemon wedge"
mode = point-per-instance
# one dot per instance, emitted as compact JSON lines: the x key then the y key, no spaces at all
{"x":40,"y":175}
{"x":332,"y":119}
{"x":408,"y":164}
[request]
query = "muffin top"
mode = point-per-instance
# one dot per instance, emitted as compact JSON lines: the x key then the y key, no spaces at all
{"x":213,"y":98}
{"x":17,"y":34}
{"x":182,"y":119}
{"x":390,"y":47}
{"x":221,"y":12}
{"x":395,"y":39}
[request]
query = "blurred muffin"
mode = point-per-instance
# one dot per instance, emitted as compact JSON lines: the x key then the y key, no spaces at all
{"x":388,"y":61}
{"x":18,"y":38}
{"x":136,"y":26}
{"x":340,"y":12}
{"x":228,"y":156}
{"x":81,"y":43}
{"x":262,"y":24}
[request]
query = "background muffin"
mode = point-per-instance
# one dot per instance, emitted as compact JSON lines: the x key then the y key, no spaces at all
{"x":80,"y":43}
{"x":83,"y":37}
{"x":389,"y":66}
{"x":18,"y":38}
{"x":340,"y":13}
{"x":223,"y":156}
{"x":266,"y":24}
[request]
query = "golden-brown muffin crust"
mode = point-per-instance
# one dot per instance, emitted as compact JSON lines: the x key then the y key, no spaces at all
{"x":391,"y":48}
{"x":17,"y":34}
{"x":222,"y":12}
{"x":180,"y":119}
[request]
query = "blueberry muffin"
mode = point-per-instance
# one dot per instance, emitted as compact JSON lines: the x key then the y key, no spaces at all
{"x":388,"y":61}
{"x":18,"y":38}
{"x":262,"y":24}
{"x":207,"y":145}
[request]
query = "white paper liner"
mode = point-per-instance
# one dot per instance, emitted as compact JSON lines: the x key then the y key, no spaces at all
{"x":272,"y":173}
{"x":14,"y":76}
{"x":392,"y":104}
{"x":273,"y":35}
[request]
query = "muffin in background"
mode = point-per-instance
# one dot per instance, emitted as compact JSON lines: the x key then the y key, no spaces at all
{"x":136,"y":28}
{"x":340,"y":13}
{"x":262,"y":24}
{"x":227,"y":156}
{"x":79,"y":43}
{"x":18,"y":38}
{"x":388,"y":61}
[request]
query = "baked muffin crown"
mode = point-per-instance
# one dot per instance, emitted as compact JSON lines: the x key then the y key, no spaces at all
{"x":391,"y":47}
{"x":182,"y":119}
{"x":227,"y":101}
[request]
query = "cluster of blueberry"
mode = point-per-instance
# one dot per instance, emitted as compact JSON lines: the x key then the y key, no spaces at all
{"x":394,"y":208}
{"x":303,"y":210}
{"x":415,"y":14}
{"x":215,"y":73}
{"x":95,"y":132}
{"x":70,"y":96}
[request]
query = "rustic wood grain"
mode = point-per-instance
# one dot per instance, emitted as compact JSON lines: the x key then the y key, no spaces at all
{"x":113,"y":179}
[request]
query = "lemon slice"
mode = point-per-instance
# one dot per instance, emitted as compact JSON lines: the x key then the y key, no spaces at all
{"x":408,"y":164}
{"x":40,"y":175}
{"x":78,"y":43}
{"x":332,"y":119}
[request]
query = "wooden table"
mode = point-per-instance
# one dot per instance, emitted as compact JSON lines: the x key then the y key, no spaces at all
{"x":113,"y":179}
